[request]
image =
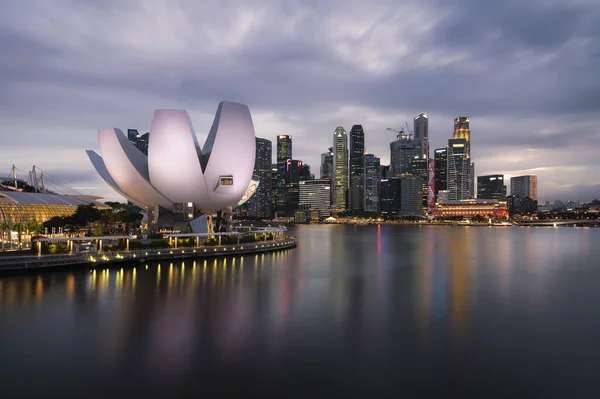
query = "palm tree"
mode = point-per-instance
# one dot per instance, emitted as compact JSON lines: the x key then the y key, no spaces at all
{"x":3,"y":226}
{"x":19,"y":227}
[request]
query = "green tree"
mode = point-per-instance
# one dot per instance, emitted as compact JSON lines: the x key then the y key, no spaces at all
{"x":20,"y":228}
{"x":34,"y":226}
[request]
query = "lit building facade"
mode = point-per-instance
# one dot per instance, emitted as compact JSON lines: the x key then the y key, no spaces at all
{"x":491,"y":187}
{"x":357,"y":168}
{"x":472,"y":207}
{"x":340,"y":168}
{"x":458,"y":169}
{"x":524,"y":186}
{"x":371,"y":182}
{"x":463,"y":131}
{"x":316,"y":195}
{"x":421,"y":134}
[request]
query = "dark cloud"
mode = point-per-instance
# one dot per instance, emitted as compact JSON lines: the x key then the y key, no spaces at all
{"x":525,"y":72}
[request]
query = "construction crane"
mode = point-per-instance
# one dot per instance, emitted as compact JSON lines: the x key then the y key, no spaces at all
{"x":401,"y":132}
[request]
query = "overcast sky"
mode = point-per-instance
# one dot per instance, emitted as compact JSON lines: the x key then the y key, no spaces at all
{"x":526,"y":72}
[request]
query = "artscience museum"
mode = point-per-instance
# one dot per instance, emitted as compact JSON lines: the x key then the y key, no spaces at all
{"x":179,"y":181}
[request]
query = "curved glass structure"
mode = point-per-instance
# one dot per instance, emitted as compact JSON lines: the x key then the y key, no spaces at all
{"x":19,"y":207}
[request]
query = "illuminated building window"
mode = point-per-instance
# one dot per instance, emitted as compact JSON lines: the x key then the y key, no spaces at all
{"x":226,"y":181}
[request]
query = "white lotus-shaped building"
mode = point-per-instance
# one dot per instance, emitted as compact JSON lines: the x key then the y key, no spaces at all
{"x":177,"y":175}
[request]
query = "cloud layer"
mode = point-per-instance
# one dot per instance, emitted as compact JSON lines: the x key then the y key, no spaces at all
{"x":527,"y":73}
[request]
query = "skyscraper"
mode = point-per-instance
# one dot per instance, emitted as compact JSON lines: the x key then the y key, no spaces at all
{"x":340,"y":167}
{"x":372,"y":182}
{"x":260,"y":204}
{"x":491,"y":187}
{"x":524,"y":186}
{"x":327,"y":164}
{"x":294,"y":169}
{"x":458,"y":169}
{"x":284,"y":153}
{"x":462,"y":131}
{"x":402,"y":152}
{"x":421,"y":131}
{"x":440,"y":172}
{"x":419,"y":167}
{"x":357,"y":167}
{"x":472,"y":183}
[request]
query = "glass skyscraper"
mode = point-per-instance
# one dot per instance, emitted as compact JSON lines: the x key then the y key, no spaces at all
{"x":491,"y":187}
{"x":440,"y":172}
{"x":458,"y":169}
{"x":357,"y":167}
{"x":421,"y":131}
{"x":340,"y":167}
{"x":372,"y":182}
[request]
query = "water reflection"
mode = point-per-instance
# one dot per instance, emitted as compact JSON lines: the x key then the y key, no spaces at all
{"x":366,"y":296}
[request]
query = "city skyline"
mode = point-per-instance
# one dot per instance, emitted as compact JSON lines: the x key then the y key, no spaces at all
{"x":526,"y":82}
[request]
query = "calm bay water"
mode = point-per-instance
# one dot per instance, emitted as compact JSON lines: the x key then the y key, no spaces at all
{"x":354,"y":310}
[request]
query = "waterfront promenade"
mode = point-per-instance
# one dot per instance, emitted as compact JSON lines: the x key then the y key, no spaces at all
{"x":40,"y":262}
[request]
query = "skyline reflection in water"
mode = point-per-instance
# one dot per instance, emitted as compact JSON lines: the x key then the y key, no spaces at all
{"x":353,"y":309}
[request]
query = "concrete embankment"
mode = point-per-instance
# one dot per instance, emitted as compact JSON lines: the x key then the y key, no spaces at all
{"x":102,"y":259}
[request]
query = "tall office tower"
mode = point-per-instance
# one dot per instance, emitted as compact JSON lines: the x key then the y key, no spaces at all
{"x":293,"y":177}
{"x":260,"y":204}
{"x":327,"y":164}
{"x":357,"y":168}
{"x":372,"y":182}
{"x":411,"y":195}
{"x":340,"y":167}
{"x":524,"y":186}
{"x":402,"y":151}
{"x":284,"y":154}
{"x":462,"y":131}
{"x":316,"y":195}
{"x":458,"y":169}
{"x":440,"y":171}
{"x":491,"y":187}
{"x":421,"y":131}
{"x":472,"y":180}
{"x":419,"y":167}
